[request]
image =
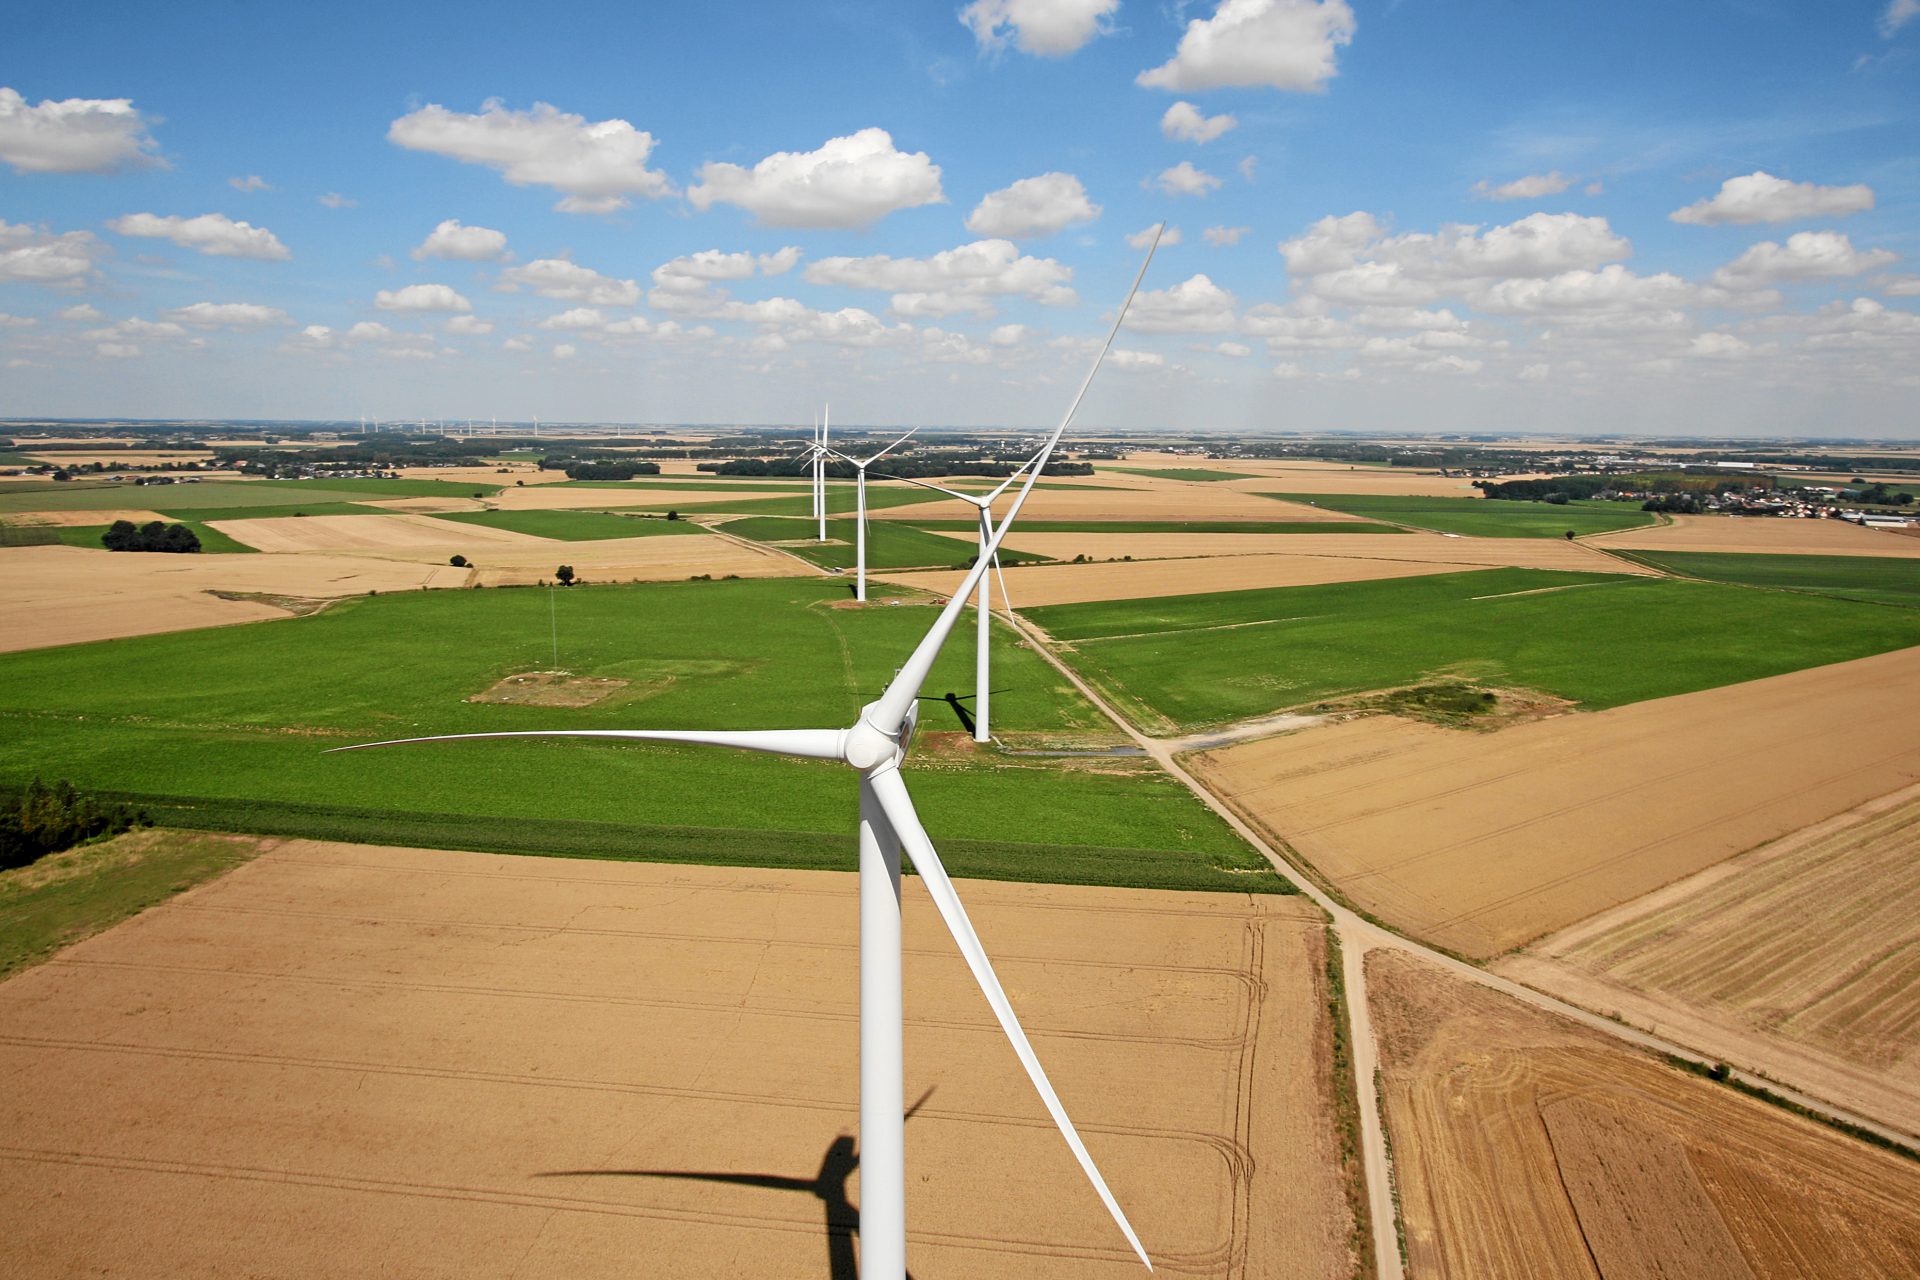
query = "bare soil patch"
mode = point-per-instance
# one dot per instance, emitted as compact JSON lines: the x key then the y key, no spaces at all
{"x":1799,"y":960}
{"x":67,"y":595}
{"x":1482,"y":842}
{"x":1527,"y":1146}
{"x":1765,"y":536}
{"x":370,"y":533}
{"x":464,"y":1064}
{"x":79,"y":519}
{"x":550,"y":689}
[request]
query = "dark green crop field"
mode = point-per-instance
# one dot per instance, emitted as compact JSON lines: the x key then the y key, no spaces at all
{"x":1481,"y":517}
{"x":225,"y":729}
{"x":1599,"y":640}
{"x":1885,"y":580}
{"x":891,"y":544}
{"x":1183,"y":473}
{"x":572,"y":526}
{"x":232,"y":499}
{"x":1172,"y":526}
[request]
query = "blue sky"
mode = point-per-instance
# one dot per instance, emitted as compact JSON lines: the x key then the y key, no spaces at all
{"x":1656,"y":218}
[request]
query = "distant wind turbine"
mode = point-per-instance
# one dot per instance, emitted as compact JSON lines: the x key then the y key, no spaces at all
{"x":860,"y":511}
{"x":875,"y":746}
{"x":984,"y":605}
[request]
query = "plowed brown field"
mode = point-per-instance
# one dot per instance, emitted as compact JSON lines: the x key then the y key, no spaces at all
{"x":1800,"y":960}
{"x":369,"y":533}
{"x":1778,"y":537}
{"x":66,"y":595}
{"x":1526,"y":1147}
{"x":342,"y":1060}
{"x":1483,"y":841}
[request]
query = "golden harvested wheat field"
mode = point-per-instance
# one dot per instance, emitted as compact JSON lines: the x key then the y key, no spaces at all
{"x":342,"y":1059}
{"x":367,"y":533}
{"x":1150,"y":500}
{"x":81,"y":519}
{"x":1801,"y":959}
{"x":1779,"y":537}
{"x":556,"y":498}
{"x":1529,"y":1147}
{"x":1417,"y":548}
{"x":1483,"y":841}
{"x":137,"y":595}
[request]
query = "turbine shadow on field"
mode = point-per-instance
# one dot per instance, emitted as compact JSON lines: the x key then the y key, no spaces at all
{"x":829,"y":1186}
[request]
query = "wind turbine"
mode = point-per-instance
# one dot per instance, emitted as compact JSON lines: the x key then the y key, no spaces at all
{"x":984,"y":605}
{"x":820,"y":471}
{"x":860,"y":511}
{"x":874,"y":746}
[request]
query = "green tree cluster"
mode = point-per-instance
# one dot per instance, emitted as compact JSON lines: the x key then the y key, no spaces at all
{"x":46,"y":819}
{"x":124,"y":535}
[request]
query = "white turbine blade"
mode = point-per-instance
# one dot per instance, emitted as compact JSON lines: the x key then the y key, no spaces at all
{"x":891,"y":791}
{"x":811,"y":744}
{"x":951,"y":493}
{"x":889,"y":449}
{"x":1004,"y":597}
{"x":890,"y":712}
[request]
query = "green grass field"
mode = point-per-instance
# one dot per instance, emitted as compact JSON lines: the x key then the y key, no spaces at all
{"x":1182,"y":473}
{"x":212,"y":541}
{"x":891,"y":544}
{"x":1172,"y":526}
{"x":225,"y":729}
{"x":840,"y":502}
{"x":572,"y":526}
{"x":1481,"y":517}
{"x":232,"y":499}
{"x":1599,"y":640}
{"x":1882,"y":580}
{"x":745,"y":484}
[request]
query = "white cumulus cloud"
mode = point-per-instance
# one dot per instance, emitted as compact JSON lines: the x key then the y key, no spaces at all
{"x":1221,"y":237}
{"x":570,"y":282}
{"x":1761,"y":197}
{"x":1896,"y":15}
{"x":595,"y":165}
{"x":76,"y":135}
{"x":461,"y":243}
{"x":1807,"y":255}
{"x":1050,"y":28}
{"x":421,"y":297}
{"x":1531,"y":187}
{"x":1195,"y":305}
{"x":58,"y":260}
{"x":955,"y":280}
{"x":214,"y":234}
{"x":1279,"y":44}
{"x":849,"y":182}
{"x":1038,"y":206}
{"x":334,"y":200}
{"x":1185,"y":180}
{"x":229,"y":315}
{"x":1184,"y":122}
{"x":468,"y":326}
{"x":252,"y":182}
{"x":1144,"y":237}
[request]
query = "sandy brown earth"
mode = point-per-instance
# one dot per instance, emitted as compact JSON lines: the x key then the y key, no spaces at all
{"x":370,"y":533}
{"x":67,"y":595}
{"x":1482,"y":842}
{"x":553,"y":498}
{"x":113,"y":458}
{"x":80,"y":519}
{"x":1306,"y":559}
{"x":1149,"y":499}
{"x":1800,"y":960}
{"x":341,"y":1060}
{"x":1519,"y":553}
{"x":1526,"y":1146}
{"x":1779,"y":537}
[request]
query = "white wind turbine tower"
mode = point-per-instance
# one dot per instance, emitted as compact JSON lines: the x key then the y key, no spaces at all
{"x":983,"y":604}
{"x":860,"y":511}
{"x":819,"y":456}
{"x":875,"y":745}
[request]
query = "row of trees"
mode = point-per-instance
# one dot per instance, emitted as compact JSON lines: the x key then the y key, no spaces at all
{"x":124,"y":535}
{"x":46,"y":819}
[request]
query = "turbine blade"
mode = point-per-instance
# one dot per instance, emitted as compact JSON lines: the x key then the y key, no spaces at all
{"x":1005,"y":599}
{"x":951,"y":493}
{"x":810,"y":744}
{"x":891,"y":791}
{"x":889,"y":449}
{"x":890,"y":712}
